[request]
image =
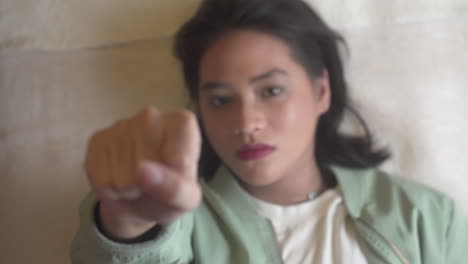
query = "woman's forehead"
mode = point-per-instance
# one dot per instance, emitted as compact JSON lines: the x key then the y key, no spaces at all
{"x":247,"y":55}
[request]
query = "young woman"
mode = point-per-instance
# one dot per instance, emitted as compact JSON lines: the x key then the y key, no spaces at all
{"x":260,"y":173}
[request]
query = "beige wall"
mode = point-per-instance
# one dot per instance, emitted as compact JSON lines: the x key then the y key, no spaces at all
{"x":68,"y":68}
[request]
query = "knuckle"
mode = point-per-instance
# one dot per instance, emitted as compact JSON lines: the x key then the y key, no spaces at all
{"x":184,"y":115}
{"x":148,"y":112}
{"x":147,"y":117}
{"x":95,"y":138}
{"x":118,"y":124}
{"x":99,"y":140}
{"x":101,"y":136}
{"x":182,"y":119}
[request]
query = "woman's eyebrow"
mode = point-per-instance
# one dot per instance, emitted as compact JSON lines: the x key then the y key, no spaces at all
{"x":268,"y":74}
{"x":263,"y":76}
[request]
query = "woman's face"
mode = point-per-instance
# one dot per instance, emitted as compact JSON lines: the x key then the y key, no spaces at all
{"x":259,"y":107}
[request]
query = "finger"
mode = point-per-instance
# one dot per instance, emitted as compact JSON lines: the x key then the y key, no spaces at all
{"x":146,"y":132}
{"x":147,"y":125}
{"x":131,"y":193}
{"x":120,"y":158}
{"x":181,"y":142}
{"x":168,"y":188}
{"x":96,"y":162}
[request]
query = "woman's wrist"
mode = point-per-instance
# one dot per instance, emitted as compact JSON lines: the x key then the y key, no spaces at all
{"x":121,"y":228}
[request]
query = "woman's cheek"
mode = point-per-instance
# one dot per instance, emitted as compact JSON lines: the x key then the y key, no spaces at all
{"x":287,"y":116}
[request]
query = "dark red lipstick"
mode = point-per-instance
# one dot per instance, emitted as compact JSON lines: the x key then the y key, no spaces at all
{"x":254,"y":151}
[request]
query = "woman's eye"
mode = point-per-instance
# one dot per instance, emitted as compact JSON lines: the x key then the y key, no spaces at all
{"x":218,"y":100}
{"x":273,"y":91}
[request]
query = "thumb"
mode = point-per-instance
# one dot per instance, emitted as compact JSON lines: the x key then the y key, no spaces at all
{"x":168,"y":187}
{"x":151,"y":174}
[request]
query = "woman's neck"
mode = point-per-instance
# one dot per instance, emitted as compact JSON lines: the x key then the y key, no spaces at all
{"x":294,"y":187}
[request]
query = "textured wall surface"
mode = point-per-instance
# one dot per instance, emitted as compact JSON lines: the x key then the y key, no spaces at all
{"x":68,"y":68}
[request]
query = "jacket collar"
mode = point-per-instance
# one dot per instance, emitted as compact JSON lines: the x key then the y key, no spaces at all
{"x":353,"y":183}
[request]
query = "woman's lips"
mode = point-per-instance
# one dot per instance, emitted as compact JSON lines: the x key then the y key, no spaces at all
{"x":254,"y":152}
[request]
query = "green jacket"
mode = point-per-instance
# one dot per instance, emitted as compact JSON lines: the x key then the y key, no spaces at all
{"x":397,"y":221}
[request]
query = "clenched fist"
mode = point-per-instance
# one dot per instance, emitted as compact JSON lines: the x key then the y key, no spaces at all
{"x":144,"y":170}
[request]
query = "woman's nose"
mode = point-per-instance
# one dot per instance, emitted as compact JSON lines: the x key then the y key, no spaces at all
{"x":250,"y":121}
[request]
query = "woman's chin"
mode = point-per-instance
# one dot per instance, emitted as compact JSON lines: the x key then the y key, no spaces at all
{"x":258,"y":176}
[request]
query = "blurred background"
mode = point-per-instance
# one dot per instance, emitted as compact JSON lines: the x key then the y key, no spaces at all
{"x":68,"y":68}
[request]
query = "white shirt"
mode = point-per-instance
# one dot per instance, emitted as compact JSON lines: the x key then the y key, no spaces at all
{"x":315,"y":231}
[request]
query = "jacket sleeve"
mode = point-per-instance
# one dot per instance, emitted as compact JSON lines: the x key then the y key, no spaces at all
{"x":457,"y":236}
{"x":173,"y":244}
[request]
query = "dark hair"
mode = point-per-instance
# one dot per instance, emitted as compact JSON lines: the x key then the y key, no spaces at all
{"x":314,"y":45}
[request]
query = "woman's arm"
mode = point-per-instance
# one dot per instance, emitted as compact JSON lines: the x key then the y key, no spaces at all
{"x":171,"y":245}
